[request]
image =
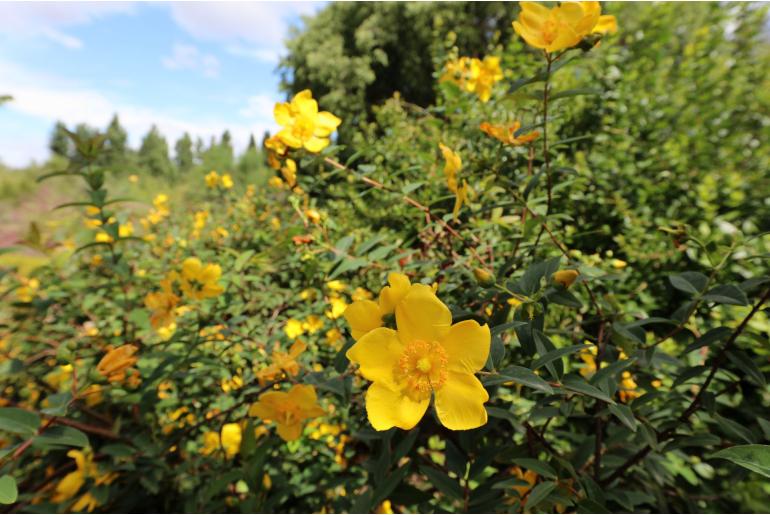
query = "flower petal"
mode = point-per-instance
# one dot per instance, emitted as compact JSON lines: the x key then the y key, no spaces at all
{"x":326,"y":123}
{"x":363,"y":316}
{"x":422,"y":316}
{"x":467,"y":346}
{"x":315,"y":144}
{"x":392,"y":295}
{"x":460,"y":402}
{"x":387,"y":408}
{"x":377,"y":353}
{"x":289,"y":432}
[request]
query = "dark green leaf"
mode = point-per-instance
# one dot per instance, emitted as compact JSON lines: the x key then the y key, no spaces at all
{"x":753,"y":457}
{"x":19,"y":421}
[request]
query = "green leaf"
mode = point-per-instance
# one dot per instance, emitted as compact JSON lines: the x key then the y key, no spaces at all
{"x":577,"y":385}
{"x":505,"y":327}
{"x":741,"y":360}
{"x":57,"y":404}
{"x":241,"y":261}
{"x":61,"y":436}
{"x":542,"y":468}
{"x":443,"y":483}
{"x":734,"y":429}
{"x":727,"y":294}
{"x":539,"y":493}
{"x":389,"y":484}
{"x":520,"y":375}
{"x":19,"y":421}
{"x":753,"y":457}
{"x":8,"y":491}
{"x":689,"y":282}
{"x":574,"y":93}
{"x":625,"y":415}
{"x":348,"y":265}
{"x":715,"y":335}
{"x":556,"y":354}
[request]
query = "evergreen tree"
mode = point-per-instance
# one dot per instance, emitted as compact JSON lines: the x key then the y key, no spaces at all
{"x":251,"y":160}
{"x":60,"y":143}
{"x":226,"y":151}
{"x":184,"y":153}
{"x":153,"y":154}
{"x":116,"y":146}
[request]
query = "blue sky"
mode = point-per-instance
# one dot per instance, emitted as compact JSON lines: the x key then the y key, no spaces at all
{"x":199,"y":67}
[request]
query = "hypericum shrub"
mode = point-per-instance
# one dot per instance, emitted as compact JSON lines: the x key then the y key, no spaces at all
{"x":532,"y":351}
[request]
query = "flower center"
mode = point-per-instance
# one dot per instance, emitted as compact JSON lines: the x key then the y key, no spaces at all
{"x":422,"y":368}
{"x":550,"y":30}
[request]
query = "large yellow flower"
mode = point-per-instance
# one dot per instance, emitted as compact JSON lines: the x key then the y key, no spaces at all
{"x":200,"y":281}
{"x":563,"y":26}
{"x":366,"y":315}
{"x":425,"y":356}
{"x":288,"y":410}
{"x":303,"y":125}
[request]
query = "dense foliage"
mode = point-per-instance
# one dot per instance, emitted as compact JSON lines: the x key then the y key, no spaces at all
{"x":529,"y":275}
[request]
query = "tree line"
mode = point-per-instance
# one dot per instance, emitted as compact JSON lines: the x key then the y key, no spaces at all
{"x":153,"y":155}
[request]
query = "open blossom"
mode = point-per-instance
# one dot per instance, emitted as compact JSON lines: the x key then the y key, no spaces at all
{"x":474,"y":75}
{"x":71,"y":484}
{"x":114,"y":364}
{"x":228,"y":439}
{"x":303,"y":125}
{"x":507,"y":134}
{"x":289,"y":410}
{"x":425,"y":356}
{"x":563,"y":26}
{"x":282,"y":362}
{"x":199,"y":281}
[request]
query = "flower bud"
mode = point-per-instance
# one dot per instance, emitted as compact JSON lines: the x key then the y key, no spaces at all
{"x":565,"y":277}
{"x":484,"y":277}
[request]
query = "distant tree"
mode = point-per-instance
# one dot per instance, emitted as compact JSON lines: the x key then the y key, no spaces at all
{"x":219,"y":155}
{"x":153,"y":154}
{"x":116,"y":146}
{"x":251,"y":160}
{"x":60,"y":143}
{"x":226,"y":149}
{"x":184,"y":153}
{"x":354,"y":55}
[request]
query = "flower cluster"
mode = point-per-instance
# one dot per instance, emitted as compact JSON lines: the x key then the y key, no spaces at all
{"x":474,"y":75}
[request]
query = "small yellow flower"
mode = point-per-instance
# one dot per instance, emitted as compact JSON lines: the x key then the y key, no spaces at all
{"x":461,"y":197}
{"x":425,"y":356}
{"x":338,"y":307}
{"x":618,"y":264}
{"x":27,"y":289}
{"x":293,"y":328}
{"x":507,"y":134}
{"x":276,"y":182}
{"x":361,"y":294}
{"x":133,"y":178}
{"x":227,"y":181}
{"x":453,"y":164}
{"x":289,"y":172}
{"x":474,"y":75}
{"x":282,"y":362}
{"x":163,"y":303}
{"x":336,"y":285}
{"x":200,"y":281}
{"x":303,"y":125}
{"x":313,"y":215}
{"x":312,"y":324}
{"x":334,"y":337}
{"x":288,"y":410}
{"x":231,"y":439}
{"x":115,"y":363}
{"x":212,"y":179}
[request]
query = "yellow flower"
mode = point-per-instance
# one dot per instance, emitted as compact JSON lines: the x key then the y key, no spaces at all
{"x":275,"y":223}
{"x":165,"y":333}
{"x":461,"y":197}
{"x":227,"y":181}
{"x":312,"y":324}
{"x":474,"y":75}
{"x":507,"y":134}
{"x":313,"y":215}
{"x":212,"y":179}
{"x":453,"y":164}
{"x":333,"y":337}
{"x":163,"y":303}
{"x":307,"y":294}
{"x":103,"y":237}
{"x":289,"y":172}
{"x":275,"y":182}
{"x":336,"y":285}
{"x":425,"y":356}
{"x":70,"y":484}
{"x":276,"y":150}
{"x":133,"y":178}
{"x":530,"y":477}
{"x":384,"y":507}
{"x":200,"y":281}
{"x":288,"y":410}
{"x":282,"y":362}
{"x":563,"y":26}
{"x":114,"y":364}
{"x":293,"y":328}
{"x":126,"y":230}
{"x":565,"y":277}
{"x":338,"y":307}
{"x":27,"y":289}
{"x":211,"y":442}
{"x":231,"y":439}
{"x":303,"y":125}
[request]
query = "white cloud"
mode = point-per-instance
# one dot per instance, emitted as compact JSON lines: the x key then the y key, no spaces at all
{"x":188,"y":57}
{"x":47,"y":19}
{"x":259,"y":107}
{"x":253,"y":29}
{"x":49,"y":98}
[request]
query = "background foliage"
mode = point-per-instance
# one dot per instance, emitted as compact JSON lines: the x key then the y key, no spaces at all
{"x":659,"y":162}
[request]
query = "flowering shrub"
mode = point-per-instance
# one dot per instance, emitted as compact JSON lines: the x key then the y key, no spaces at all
{"x":228,"y":352}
